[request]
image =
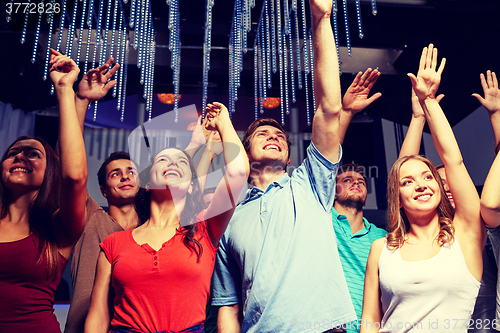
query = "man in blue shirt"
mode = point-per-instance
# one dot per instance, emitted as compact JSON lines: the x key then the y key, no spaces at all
{"x":278,"y":268}
{"x":355,"y":234}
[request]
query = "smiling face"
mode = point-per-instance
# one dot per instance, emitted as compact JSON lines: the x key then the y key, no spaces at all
{"x":419,"y":190}
{"x":24,"y":166}
{"x":268,"y":143}
{"x":351,"y":189}
{"x":122,"y":182}
{"x":171,"y":169}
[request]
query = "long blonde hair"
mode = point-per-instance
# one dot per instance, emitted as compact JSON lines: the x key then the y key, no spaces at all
{"x":397,"y":219}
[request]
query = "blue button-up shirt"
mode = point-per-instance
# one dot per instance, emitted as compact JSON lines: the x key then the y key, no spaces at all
{"x":279,"y":258}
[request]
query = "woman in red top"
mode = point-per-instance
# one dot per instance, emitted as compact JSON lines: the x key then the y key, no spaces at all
{"x":160,"y":272}
{"x":36,"y":238}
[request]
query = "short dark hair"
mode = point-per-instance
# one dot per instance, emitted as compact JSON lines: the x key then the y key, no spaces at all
{"x":117,"y":155}
{"x":263,"y":122}
{"x":353,"y":166}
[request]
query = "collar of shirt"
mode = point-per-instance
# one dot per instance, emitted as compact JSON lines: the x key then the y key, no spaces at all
{"x":346,"y":227}
{"x":255,"y":192}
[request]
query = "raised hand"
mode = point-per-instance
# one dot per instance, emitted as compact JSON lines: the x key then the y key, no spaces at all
{"x":356,"y":97}
{"x":97,"y":82}
{"x":63,"y":70}
{"x":320,"y":8}
{"x":216,"y":115}
{"x":491,"y":100}
{"x":426,"y":83}
{"x":415,"y":104}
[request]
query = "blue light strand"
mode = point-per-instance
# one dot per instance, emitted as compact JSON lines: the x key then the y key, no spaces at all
{"x":37,"y":35}
{"x":311,"y":50}
{"x":124,"y":92}
{"x":71,"y":32}
{"x":113,"y":31}
{"x":261,"y":40}
{"x":297,"y":47}
{"x":60,"y":33}
{"x":285,"y":67}
{"x":255,"y":79}
{"x":119,"y":57}
{"x":80,"y":36}
{"x":268,"y":46}
{"x":104,"y":47}
{"x":89,"y":35}
{"x":286,"y":17}
{"x":25,"y":23}
{"x":360,"y":22}
{"x":95,"y":110}
{"x":123,"y":64}
{"x":49,"y":41}
{"x":132,"y":13}
{"x":280,"y":45}
{"x":334,"y":7}
{"x":138,"y":11}
{"x":374,"y":8}
{"x":347,"y":32}
{"x":273,"y":36}
{"x":304,"y":38}
{"x":292,"y":69}
{"x":98,"y":32}
{"x":151,"y":79}
{"x":207,"y":46}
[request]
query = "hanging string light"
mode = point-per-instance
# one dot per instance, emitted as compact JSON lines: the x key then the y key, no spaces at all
{"x":282,"y":45}
{"x":110,"y":38}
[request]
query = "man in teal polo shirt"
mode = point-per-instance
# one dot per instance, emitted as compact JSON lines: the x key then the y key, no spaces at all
{"x":355,"y":234}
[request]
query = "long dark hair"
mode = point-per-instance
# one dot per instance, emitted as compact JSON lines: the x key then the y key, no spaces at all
{"x":42,"y":207}
{"x":397,"y":219}
{"x":192,"y":207}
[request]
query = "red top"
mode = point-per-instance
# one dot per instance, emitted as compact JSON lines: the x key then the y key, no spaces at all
{"x":159,"y":290}
{"x":26,"y":293}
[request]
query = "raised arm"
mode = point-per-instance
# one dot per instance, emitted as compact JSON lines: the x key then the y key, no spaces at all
{"x":325,"y":127}
{"x":491,"y":101}
{"x":467,"y":221}
{"x":237,"y":170}
{"x":372,"y":308}
{"x":356,"y":98}
{"x":411,"y":143}
{"x":94,"y":85}
{"x":99,"y":318}
{"x":70,"y":219}
{"x":490,"y":197}
{"x":213,"y":148}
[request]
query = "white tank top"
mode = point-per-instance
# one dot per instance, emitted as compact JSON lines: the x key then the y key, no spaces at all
{"x":433,"y":295}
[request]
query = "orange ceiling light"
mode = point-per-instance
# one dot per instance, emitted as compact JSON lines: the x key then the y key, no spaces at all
{"x":167,"y":98}
{"x":271,"y":102}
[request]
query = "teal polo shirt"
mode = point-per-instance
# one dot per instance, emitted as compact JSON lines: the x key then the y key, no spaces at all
{"x":353,"y":253}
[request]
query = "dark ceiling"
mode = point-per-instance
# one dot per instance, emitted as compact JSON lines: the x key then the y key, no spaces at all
{"x":467,"y":33}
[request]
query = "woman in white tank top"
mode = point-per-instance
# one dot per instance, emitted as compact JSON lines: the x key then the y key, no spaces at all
{"x":424,"y":277}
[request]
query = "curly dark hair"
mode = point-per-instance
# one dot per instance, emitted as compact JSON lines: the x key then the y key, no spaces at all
{"x":42,"y":207}
{"x":188,"y":216}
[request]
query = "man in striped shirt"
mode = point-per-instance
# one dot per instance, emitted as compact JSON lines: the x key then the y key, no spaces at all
{"x":355,"y":234}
